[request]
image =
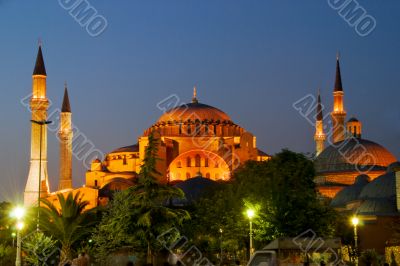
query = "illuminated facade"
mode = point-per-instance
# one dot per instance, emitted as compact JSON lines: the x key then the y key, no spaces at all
{"x":194,"y":139}
{"x":349,"y":155}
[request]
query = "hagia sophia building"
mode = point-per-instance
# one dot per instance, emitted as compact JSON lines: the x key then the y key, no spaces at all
{"x":195,"y":139}
{"x":355,"y":175}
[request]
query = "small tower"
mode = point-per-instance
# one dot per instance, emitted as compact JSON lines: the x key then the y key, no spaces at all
{"x":38,"y":163}
{"x":65,"y":136}
{"x":354,"y":128}
{"x":319,"y":136}
{"x":338,"y":113}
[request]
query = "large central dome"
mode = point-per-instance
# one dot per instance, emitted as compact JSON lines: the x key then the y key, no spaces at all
{"x":194,"y":111}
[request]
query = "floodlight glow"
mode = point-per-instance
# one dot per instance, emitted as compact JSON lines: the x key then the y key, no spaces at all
{"x":250,"y":213}
{"x":18,"y":213}
{"x":354,"y":221}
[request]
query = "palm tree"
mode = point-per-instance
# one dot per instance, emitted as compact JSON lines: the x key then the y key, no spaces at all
{"x":67,"y":224}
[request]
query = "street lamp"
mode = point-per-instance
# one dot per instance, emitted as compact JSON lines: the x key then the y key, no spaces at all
{"x":355,"y":222}
{"x":18,"y":213}
{"x":250,"y":215}
{"x":41,"y":123}
{"x":220,"y":243}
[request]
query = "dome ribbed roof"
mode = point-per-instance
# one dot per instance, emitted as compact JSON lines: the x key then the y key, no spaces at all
{"x":351,"y":155}
{"x":193,"y":111}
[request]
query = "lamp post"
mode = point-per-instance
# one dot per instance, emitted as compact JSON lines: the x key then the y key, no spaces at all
{"x":220,"y":243}
{"x":18,"y":213}
{"x":41,"y":123}
{"x":250,"y":215}
{"x":355,"y":222}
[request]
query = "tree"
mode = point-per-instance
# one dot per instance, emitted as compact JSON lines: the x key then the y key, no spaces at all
{"x":7,"y":255}
{"x":40,"y":249}
{"x":137,"y":216}
{"x":114,"y":230}
{"x":152,"y":214}
{"x":68,"y":224}
{"x":283,"y":191}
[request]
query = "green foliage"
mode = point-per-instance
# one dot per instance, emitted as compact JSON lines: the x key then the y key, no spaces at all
{"x":282,"y":191}
{"x":137,"y":216}
{"x":69,"y":224}
{"x":40,"y":249}
{"x":114,"y":230}
{"x":393,"y":259}
{"x":370,"y":258}
{"x":6,"y":224}
{"x":7,"y":255}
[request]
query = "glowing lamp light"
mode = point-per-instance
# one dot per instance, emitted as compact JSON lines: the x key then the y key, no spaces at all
{"x":250,"y":213}
{"x":18,"y":213}
{"x":20,"y":225}
{"x":355,"y":221}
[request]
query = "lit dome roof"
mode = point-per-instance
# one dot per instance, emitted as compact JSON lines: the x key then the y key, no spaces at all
{"x":193,"y":111}
{"x":350,"y":155}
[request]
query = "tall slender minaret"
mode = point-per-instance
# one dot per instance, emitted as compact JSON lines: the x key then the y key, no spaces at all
{"x":65,"y":136}
{"x":319,"y":136}
{"x":38,"y":104}
{"x":338,"y":113}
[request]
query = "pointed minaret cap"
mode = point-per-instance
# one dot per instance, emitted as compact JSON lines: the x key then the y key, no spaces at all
{"x":338,"y":79}
{"x":66,"y":107}
{"x":39,"y":69}
{"x":319,"y":108}
{"x":194,"y":99}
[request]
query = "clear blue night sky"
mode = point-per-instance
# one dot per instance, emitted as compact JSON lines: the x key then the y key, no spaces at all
{"x":252,"y":59}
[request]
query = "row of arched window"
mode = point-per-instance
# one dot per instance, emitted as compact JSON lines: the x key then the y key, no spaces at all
{"x":196,"y":163}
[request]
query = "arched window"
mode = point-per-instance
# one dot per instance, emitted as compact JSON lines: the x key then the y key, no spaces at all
{"x":189,"y":130}
{"x":179,"y":164}
{"x":188,"y":162}
{"x":206,"y":162}
{"x":206,"y":129}
{"x":187,"y":175}
{"x":197,"y":160}
{"x":198,"y":128}
{"x":124,"y":160}
{"x":95,"y":183}
{"x":180,"y":128}
{"x":208,"y":175}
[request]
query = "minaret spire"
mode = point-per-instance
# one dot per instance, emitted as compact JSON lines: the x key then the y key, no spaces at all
{"x":66,"y":107}
{"x":338,"y":114}
{"x":319,"y":136}
{"x":38,"y":163}
{"x":338,"y":79}
{"x":39,"y":69}
{"x":65,"y":135}
{"x":194,"y":99}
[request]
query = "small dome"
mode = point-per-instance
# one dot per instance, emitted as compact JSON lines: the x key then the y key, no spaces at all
{"x":353,"y":155}
{"x":393,"y":167}
{"x":353,"y":119}
{"x":194,"y":188}
{"x":132,"y":148}
{"x":378,"y":207}
{"x":192,"y":112}
{"x":383,"y":187}
{"x":350,"y":193}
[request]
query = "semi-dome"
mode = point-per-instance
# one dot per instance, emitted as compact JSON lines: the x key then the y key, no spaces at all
{"x":194,"y":111}
{"x":354,"y":155}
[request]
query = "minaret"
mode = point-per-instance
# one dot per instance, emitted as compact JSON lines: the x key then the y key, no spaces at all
{"x":338,"y":113}
{"x":38,"y":104}
{"x":65,"y":136}
{"x":319,"y":136}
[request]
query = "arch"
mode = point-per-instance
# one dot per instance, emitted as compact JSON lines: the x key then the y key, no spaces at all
{"x":197,"y":161}
{"x":187,"y":175}
{"x":188,"y":162}
{"x":208,"y":175}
